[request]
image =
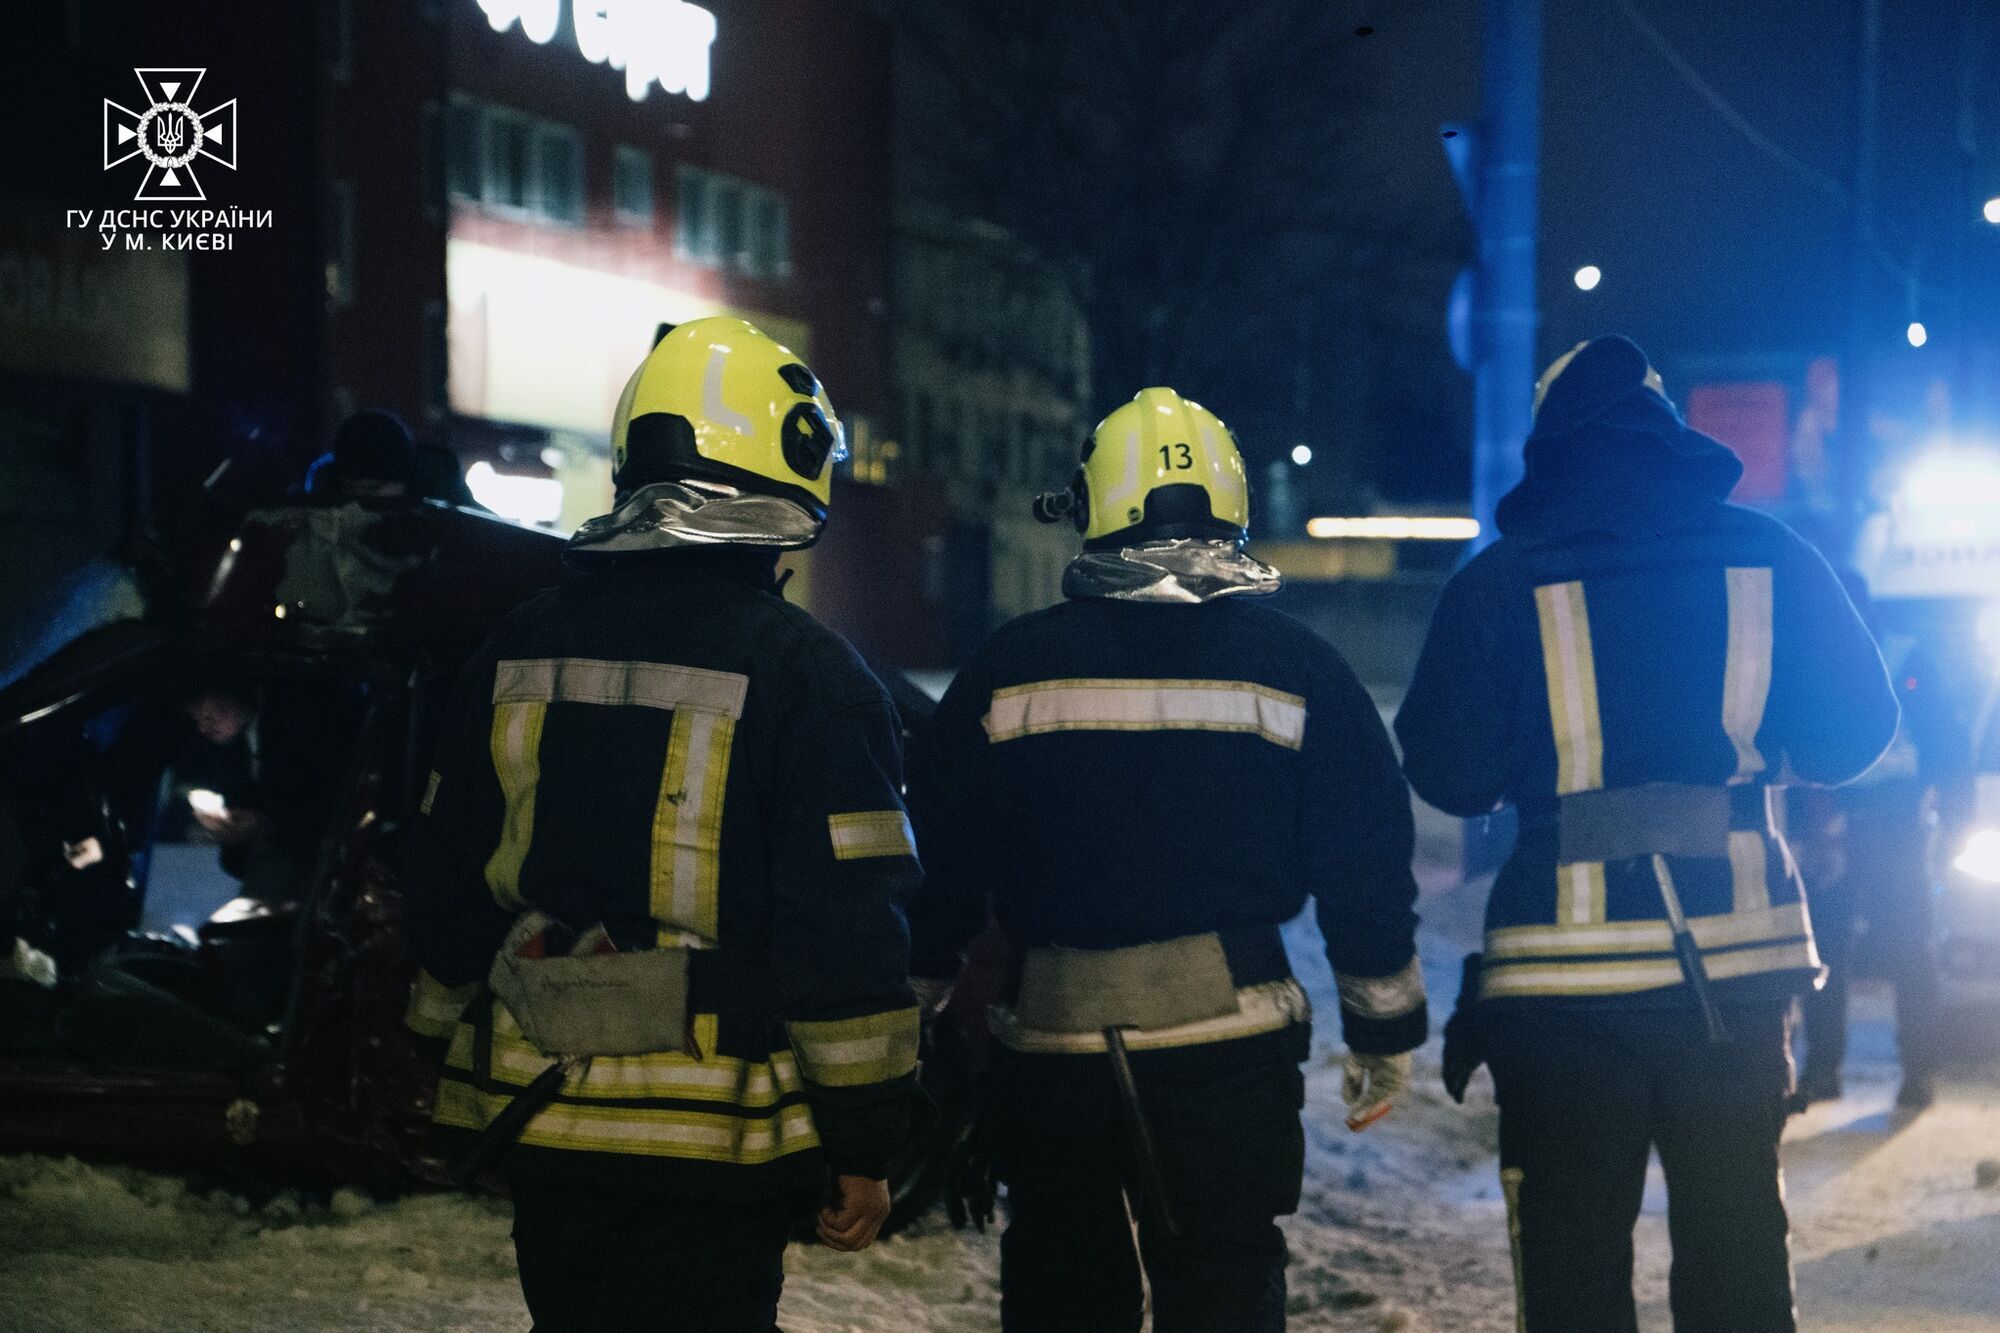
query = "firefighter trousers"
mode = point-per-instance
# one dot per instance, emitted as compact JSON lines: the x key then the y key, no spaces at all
{"x":1584,"y":1094}
{"x":597,"y":1260}
{"x":1225,"y":1121}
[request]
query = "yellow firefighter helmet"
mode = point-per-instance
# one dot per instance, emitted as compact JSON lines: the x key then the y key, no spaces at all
{"x":1158,"y":468}
{"x":716,"y":400}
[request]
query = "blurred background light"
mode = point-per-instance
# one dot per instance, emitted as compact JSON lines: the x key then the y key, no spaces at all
{"x":523,"y":499}
{"x":1396,"y":527}
{"x":1302,"y":454}
{"x":1992,"y":210}
{"x":1981,"y":857}
{"x":1953,"y":478}
{"x":1917,"y":333}
{"x":1588,"y":277}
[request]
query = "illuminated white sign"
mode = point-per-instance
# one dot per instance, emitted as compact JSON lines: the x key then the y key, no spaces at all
{"x":653,"y":41}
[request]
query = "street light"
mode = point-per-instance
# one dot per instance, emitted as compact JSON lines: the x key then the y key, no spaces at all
{"x":1992,"y":210}
{"x":1302,"y":454}
{"x":1588,"y":277}
{"x":1917,"y":333}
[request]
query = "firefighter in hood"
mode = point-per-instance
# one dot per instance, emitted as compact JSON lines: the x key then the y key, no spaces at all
{"x":659,"y":874}
{"x":1142,"y":784}
{"x":1637,"y":667}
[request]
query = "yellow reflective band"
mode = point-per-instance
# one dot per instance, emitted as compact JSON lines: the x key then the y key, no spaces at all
{"x":587,"y":680}
{"x":1580,"y":893}
{"x":435,"y":1008}
{"x":517,"y":747}
{"x":1710,"y":932}
{"x":1268,"y":1006}
{"x":1746,"y":680}
{"x":430,"y":793}
{"x":1619,"y":977}
{"x":1749,"y":871}
{"x":639,"y":1131}
{"x":1147,"y":705}
{"x":726,"y":1080}
{"x":871,"y":833}
{"x":1571,"y":667}
{"x":847,"y":1052}
{"x":687,"y":828}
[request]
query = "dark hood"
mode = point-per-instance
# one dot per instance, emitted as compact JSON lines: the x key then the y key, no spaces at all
{"x":1610,"y":454}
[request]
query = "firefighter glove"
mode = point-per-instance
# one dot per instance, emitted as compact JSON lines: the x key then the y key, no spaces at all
{"x":1371,"y":1085}
{"x":1464,"y":1044}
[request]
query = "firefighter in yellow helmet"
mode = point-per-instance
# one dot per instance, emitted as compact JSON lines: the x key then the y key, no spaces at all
{"x":658,"y":878}
{"x":1142,"y":784}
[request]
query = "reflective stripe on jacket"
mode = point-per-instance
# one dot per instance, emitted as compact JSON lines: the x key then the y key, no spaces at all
{"x":1108,"y":774}
{"x":1723,"y":655}
{"x":665,"y":747}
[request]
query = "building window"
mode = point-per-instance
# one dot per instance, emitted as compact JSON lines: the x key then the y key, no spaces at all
{"x":694,"y":235}
{"x":767,"y":237}
{"x":464,"y":152}
{"x":339,"y":242}
{"x":726,"y":201}
{"x":632,"y":185}
{"x":509,"y":159}
{"x":732,"y":224}
{"x":513,"y":163}
{"x":557,"y":180}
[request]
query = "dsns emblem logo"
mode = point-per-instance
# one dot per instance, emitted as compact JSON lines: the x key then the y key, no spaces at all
{"x":170,"y":134}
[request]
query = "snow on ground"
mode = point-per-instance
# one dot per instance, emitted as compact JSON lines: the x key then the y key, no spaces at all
{"x":1402,"y":1227}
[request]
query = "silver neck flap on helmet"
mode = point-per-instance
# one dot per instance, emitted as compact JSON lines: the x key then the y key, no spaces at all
{"x":669,"y":514}
{"x":1170,"y":571}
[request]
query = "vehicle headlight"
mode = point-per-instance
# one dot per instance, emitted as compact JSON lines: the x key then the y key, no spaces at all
{"x":1981,"y":857}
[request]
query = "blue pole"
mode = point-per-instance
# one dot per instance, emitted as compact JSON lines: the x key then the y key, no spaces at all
{"x":1504,"y":301}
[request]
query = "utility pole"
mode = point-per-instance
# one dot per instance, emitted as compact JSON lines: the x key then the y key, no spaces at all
{"x":1507,"y":181}
{"x":1498,"y":168}
{"x":1855,"y":458}
{"x":1966,"y":197}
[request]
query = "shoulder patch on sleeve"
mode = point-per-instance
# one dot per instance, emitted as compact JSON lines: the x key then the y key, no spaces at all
{"x":868,"y":833}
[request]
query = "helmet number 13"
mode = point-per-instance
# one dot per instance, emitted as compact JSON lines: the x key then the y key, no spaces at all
{"x":1176,"y":458}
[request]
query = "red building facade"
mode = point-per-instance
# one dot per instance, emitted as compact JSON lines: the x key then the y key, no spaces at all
{"x":480,"y":223}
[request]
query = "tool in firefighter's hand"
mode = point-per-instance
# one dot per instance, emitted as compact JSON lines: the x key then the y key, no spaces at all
{"x":1370,"y":1085}
{"x":1464,"y":1043}
{"x":1139,"y":1133}
{"x":1689,"y":953}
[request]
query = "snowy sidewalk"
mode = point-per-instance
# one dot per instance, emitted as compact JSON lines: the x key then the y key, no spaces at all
{"x":1402,"y":1227}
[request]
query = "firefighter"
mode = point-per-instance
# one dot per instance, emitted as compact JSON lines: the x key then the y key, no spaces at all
{"x":665,"y":831}
{"x":1636,"y":666}
{"x":1143,"y":783}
